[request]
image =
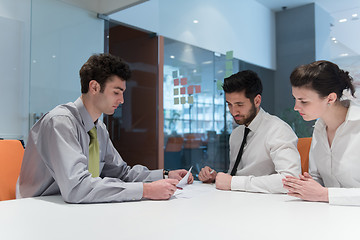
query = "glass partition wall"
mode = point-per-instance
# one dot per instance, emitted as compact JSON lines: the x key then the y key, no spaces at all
{"x":193,"y":115}
{"x":63,"y":37}
{"x":197,"y":123}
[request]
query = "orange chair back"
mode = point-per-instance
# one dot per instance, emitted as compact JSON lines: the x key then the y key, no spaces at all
{"x":192,"y":140}
{"x":174,"y":144}
{"x":304,"y":148}
{"x":11,"y":154}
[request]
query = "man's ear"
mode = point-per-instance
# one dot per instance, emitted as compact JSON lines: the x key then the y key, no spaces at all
{"x":94,"y":86}
{"x":332,"y":97}
{"x":257,"y":100}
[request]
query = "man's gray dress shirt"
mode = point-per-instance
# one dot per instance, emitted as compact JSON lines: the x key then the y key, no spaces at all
{"x":56,"y":161}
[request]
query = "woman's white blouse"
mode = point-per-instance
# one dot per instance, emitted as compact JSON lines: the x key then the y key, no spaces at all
{"x":338,"y":167}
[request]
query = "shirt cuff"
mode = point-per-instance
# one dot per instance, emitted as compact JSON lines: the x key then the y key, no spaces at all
{"x":344,"y":196}
{"x":157,"y":174}
{"x":133,"y":191}
{"x":238,"y":183}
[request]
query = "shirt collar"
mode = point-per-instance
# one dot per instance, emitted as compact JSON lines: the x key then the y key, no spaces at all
{"x":255,"y":123}
{"x":85,"y":116}
{"x":353,"y":113}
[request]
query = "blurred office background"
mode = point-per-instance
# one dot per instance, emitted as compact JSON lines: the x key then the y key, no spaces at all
{"x":174,"y":114}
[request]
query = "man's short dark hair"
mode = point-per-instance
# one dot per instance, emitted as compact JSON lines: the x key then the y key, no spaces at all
{"x":245,"y":80}
{"x":101,"y":67}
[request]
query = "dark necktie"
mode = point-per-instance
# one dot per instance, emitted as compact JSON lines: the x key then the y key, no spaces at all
{"x":238,"y":158}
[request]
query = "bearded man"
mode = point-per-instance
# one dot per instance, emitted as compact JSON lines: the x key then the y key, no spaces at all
{"x":263,"y":148}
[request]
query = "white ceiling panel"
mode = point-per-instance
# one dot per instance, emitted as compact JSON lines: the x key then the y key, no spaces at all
{"x":104,"y":6}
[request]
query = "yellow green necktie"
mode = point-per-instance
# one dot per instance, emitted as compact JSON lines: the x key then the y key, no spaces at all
{"x":94,"y":155}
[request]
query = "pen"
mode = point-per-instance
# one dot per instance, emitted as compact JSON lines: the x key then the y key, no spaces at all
{"x":212,"y":171}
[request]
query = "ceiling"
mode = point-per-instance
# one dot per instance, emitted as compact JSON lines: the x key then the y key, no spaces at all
{"x":331,"y":6}
{"x":345,"y":35}
{"x":104,"y":6}
{"x":345,"y":50}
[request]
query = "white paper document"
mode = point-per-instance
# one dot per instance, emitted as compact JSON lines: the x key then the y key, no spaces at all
{"x":183,"y":182}
{"x":193,"y":190}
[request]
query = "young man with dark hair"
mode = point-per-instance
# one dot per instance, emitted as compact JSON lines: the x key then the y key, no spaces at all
{"x":262,"y":149}
{"x":69,"y":150}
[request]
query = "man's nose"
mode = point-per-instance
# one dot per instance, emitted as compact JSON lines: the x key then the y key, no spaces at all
{"x":296,"y":107}
{"x":121,"y":99}
{"x":236,"y":110}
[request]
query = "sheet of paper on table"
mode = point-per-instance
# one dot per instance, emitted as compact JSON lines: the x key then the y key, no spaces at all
{"x":184,"y":181}
{"x":191,"y":190}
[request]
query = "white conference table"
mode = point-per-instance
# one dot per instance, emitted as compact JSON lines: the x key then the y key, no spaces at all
{"x":205,"y":213}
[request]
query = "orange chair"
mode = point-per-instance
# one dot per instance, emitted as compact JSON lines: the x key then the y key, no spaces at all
{"x":192,"y":140}
{"x":11,"y":154}
{"x":174,"y":144}
{"x":304,"y":148}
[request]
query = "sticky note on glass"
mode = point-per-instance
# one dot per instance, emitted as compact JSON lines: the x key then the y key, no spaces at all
{"x":183,"y":81}
{"x":229,"y":65}
{"x":219,"y":85}
{"x":229,"y":55}
{"x":228,"y":73}
{"x":190,"y":89}
{"x":176,"y":101}
{"x":196,"y":79}
{"x":182,"y":90}
{"x":190,"y":99}
{"x":182,"y":100}
{"x":181,"y":72}
{"x":197,"y":89}
{"x":175,"y":74}
{"x":176,"y":91}
{"x":176,"y":82}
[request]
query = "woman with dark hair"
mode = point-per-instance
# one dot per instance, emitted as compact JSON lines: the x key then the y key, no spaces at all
{"x":334,"y":158}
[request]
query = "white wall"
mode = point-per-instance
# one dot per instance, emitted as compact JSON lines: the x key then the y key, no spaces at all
{"x":322,"y":33}
{"x":63,"y":37}
{"x":39,"y":69}
{"x":14,"y":67}
{"x":246,"y":26}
